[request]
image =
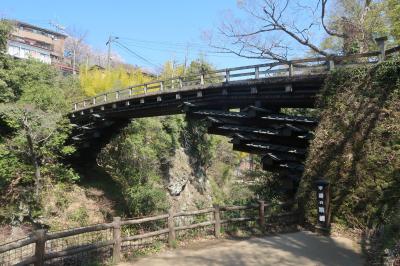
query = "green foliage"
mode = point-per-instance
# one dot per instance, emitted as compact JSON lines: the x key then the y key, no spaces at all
{"x":135,"y":159}
{"x":361,"y":25}
{"x":94,"y":81}
{"x":80,"y":216}
{"x":393,"y":11}
{"x":200,"y":146}
{"x":5,"y":29}
{"x":223,"y":179}
{"x":357,"y":148}
{"x":34,"y":98}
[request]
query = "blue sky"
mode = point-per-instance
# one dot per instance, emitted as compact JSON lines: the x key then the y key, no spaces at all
{"x":157,"y":30}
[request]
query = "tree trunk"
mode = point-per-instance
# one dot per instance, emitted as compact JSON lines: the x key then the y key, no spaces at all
{"x":34,"y":159}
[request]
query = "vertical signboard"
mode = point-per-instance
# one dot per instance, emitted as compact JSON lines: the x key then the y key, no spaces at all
{"x":323,"y":209}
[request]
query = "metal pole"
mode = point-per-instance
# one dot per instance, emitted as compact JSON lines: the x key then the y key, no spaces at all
{"x":109,"y":52}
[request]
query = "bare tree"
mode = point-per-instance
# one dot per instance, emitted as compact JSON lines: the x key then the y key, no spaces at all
{"x":77,"y":48}
{"x":278,"y":26}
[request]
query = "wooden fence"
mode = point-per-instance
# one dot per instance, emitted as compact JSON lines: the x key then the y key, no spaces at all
{"x":122,"y":236}
{"x":289,"y":68}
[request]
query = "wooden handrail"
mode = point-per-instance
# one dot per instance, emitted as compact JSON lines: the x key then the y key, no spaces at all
{"x":143,"y":220}
{"x":146,"y":235}
{"x":18,"y":244}
{"x":77,"y":231}
{"x":193,"y":212}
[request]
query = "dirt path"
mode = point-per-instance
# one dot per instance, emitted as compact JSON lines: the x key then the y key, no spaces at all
{"x":302,"y":248}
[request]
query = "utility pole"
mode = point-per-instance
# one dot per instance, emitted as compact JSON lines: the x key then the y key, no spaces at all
{"x":186,"y":59}
{"x":110,"y":40}
{"x":74,"y":61}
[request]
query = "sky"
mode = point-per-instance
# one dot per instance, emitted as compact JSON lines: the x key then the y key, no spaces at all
{"x":157,"y":30}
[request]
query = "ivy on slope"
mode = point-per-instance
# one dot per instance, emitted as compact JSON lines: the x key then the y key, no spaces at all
{"x":357,"y":148}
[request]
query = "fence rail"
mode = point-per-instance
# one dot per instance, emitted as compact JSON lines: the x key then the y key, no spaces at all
{"x":316,"y":65}
{"x":46,"y":246}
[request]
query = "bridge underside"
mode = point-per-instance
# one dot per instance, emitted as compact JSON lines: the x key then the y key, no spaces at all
{"x":248,"y":112}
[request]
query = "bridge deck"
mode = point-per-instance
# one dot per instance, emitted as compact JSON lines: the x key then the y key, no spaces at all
{"x":302,"y":248}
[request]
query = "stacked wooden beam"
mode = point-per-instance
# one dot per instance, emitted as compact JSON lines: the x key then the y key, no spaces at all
{"x":281,"y":139}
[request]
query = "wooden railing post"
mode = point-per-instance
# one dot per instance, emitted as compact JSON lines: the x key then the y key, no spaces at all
{"x":227,"y":78}
{"x":145,"y":88}
{"x":117,"y":239}
{"x":161,"y":86}
{"x":217,"y":220}
{"x":331,"y":65}
{"x":180,"y":83}
{"x":261,"y":215}
{"x":290,"y":69}
{"x":382,"y":47}
{"x":257,"y":72}
{"x":40,"y":246}
{"x":117,"y":95}
{"x":75,"y":106}
{"x":171,"y":228}
{"x":202,"y":79}
{"x":105,"y":97}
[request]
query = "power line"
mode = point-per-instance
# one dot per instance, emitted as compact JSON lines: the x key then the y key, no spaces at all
{"x":136,"y":54}
{"x":181,"y":51}
{"x":165,"y":43}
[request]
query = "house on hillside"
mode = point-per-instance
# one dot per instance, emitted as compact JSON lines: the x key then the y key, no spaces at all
{"x":27,"y":40}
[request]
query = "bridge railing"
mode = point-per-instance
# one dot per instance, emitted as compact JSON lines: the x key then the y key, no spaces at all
{"x":110,"y":240}
{"x":307,"y":66}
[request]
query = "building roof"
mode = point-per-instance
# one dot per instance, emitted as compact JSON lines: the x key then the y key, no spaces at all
{"x":21,"y":23}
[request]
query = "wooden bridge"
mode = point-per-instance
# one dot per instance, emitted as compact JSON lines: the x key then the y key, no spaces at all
{"x":243,"y":103}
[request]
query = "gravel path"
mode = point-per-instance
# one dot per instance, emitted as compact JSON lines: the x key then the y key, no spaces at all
{"x":301,"y":248}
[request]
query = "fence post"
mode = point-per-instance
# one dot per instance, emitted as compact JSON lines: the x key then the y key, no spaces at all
{"x":202,"y":79}
{"x":382,"y":46}
{"x":161,"y":86}
{"x":217,"y":220}
{"x":257,"y":73}
{"x":171,"y":228}
{"x":261,"y":215}
{"x":117,"y":239}
{"x":40,"y":246}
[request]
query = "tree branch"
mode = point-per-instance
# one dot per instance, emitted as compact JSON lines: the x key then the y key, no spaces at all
{"x":327,"y":30}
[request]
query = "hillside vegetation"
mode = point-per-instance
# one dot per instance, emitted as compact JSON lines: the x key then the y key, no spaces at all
{"x":357,"y":149}
{"x":154,"y":164}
